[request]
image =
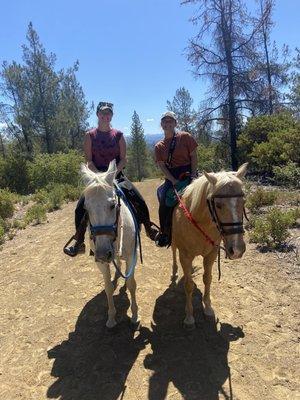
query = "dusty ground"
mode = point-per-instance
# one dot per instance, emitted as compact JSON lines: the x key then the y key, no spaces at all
{"x":54,"y":344}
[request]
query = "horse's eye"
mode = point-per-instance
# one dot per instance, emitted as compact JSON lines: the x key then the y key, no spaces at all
{"x":112,"y":206}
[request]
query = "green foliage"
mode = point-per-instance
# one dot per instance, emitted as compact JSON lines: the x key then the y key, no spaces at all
{"x":14,"y":173}
{"x":55,"y":198}
{"x":209,"y":158}
{"x":46,"y":109}
{"x":6,"y":203}
{"x":271,"y":230}
{"x":260,"y":198}
{"x":18,"y":224}
{"x":4,"y":224}
{"x":58,"y":168}
{"x":287,"y":175}
{"x":281,"y":147}
{"x":36,"y":214}
{"x":136,"y":167}
{"x":181,"y":105}
{"x":257,"y":130}
{"x":1,"y":234}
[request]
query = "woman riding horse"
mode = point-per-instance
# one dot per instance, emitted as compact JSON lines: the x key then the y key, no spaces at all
{"x":176,"y":156}
{"x":102,"y":145}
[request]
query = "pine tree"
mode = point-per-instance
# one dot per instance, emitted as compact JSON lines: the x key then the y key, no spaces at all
{"x":137,"y":151}
{"x":222,"y":52}
{"x":44,"y":110}
{"x":181,"y":105}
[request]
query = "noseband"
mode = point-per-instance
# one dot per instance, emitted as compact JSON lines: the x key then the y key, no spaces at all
{"x":110,"y":230}
{"x":225,"y":228}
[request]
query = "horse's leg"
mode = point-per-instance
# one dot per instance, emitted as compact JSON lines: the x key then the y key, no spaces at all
{"x":131,"y":285}
{"x":186,"y":262}
{"x":208,"y":262}
{"x":174,"y":265}
{"x":109,"y":290}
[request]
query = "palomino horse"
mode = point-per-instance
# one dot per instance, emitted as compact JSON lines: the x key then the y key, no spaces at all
{"x":216,"y":205}
{"x":113,"y":233}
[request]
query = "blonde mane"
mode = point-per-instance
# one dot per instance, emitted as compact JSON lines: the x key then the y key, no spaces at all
{"x":200,"y":189}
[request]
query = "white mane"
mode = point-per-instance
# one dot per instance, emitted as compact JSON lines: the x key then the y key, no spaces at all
{"x":103,"y":179}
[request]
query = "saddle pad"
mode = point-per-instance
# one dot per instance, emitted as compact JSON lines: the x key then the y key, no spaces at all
{"x":171,"y":199}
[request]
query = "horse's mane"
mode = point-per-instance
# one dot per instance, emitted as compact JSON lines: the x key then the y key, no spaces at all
{"x":200,"y":188}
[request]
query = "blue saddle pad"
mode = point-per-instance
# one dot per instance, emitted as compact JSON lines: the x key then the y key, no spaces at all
{"x":171,"y":199}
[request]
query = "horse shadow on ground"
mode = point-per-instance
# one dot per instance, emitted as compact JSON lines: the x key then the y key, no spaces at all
{"x":195,"y":361}
{"x":94,"y":362}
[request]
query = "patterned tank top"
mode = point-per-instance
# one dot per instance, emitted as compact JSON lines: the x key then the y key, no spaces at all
{"x":105,"y":147}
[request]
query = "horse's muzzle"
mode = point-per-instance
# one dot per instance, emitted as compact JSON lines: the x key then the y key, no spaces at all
{"x":103,"y":256}
{"x":235,"y":252}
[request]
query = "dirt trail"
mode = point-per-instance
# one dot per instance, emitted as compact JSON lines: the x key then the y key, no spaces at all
{"x":54,"y":344}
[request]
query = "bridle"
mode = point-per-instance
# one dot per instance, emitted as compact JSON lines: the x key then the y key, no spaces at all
{"x":225,"y":228}
{"x":111,"y":230}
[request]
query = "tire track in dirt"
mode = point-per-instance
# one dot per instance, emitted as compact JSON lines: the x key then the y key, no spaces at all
{"x":54,"y":343}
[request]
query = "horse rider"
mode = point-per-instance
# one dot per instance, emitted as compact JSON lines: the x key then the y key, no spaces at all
{"x":102,"y":145}
{"x":176,"y":156}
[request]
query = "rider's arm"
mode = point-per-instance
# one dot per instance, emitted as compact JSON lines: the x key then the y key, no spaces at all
{"x":122,"y":161}
{"x":87,"y":146}
{"x":166,"y":172}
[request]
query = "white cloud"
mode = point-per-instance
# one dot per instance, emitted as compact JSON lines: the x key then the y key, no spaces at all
{"x":150,"y":119}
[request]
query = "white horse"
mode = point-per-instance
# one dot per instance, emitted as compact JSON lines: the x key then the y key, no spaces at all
{"x":112,"y":230}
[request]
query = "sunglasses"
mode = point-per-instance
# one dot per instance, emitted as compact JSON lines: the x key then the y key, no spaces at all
{"x":168,"y":120}
{"x":105,"y":104}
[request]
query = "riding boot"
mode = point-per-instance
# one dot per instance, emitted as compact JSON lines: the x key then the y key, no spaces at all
{"x":151,"y":230}
{"x":163,"y":239}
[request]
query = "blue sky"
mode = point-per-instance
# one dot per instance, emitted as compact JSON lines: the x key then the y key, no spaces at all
{"x":131,"y":52}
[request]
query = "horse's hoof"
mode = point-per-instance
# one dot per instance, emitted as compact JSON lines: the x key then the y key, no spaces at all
{"x":209,"y":312}
{"x":189,"y":323}
{"x":111,"y":324}
{"x":189,"y":327}
{"x":135,"y":324}
{"x":134,"y":320}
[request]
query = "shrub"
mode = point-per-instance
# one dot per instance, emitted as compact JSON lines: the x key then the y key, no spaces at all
{"x":14,"y":173}
{"x":18,"y":224}
{"x":41,"y":196}
{"x":288,"y":175}
{"x":36,"y":214}
{"x":259,"y":129}
{"x":4,"y":224}
{"x":271,"y":230}
{"x":56,"y":197}
{"x":6,"y":203}
{"x":1,"y":234}
{"x":55,"y":168}
{"x":260,"y":198}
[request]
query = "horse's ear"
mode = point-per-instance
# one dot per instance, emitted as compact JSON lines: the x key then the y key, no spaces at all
{"x":111,"y":172}
{"x":87,"y":175}
{"x":241,"y":172}
{"x":210,"y":176}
